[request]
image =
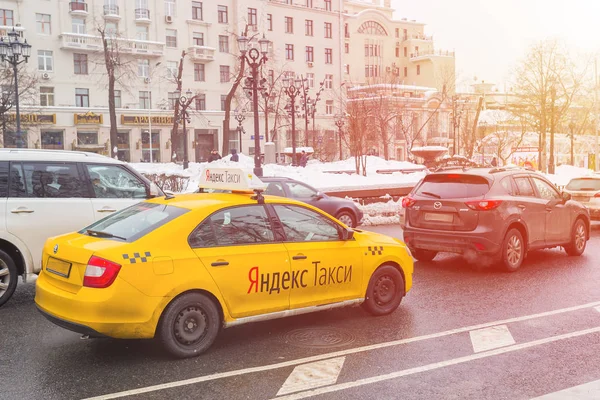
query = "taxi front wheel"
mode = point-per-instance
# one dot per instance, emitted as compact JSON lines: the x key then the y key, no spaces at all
{"x":189,"y":325}
{"x":385,"y":291}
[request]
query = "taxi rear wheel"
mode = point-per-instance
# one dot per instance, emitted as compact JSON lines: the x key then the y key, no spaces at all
{"x":189,"y":325}
{"x":385,"y":291}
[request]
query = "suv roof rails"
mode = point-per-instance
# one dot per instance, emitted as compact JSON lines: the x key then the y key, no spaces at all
{"x":505,"y":168}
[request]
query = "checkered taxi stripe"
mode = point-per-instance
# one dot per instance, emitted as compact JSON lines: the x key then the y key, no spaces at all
{"x":142,"y":257}
{"x":374,"y":250}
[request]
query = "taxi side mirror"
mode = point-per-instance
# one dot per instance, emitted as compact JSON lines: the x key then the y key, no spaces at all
{"x":347,"y":234}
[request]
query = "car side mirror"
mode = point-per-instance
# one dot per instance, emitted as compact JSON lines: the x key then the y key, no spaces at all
{"x":318,"y":196}
{"x":347,"y":234}
{"x":566,"y":196}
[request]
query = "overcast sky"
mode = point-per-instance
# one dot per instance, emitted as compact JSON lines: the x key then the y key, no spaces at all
{"x":491,"y":36}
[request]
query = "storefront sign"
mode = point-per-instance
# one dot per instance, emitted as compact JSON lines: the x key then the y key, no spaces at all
{"x":35,"y":118}
{"x":143,"y":120}
{"x":88,"y":118}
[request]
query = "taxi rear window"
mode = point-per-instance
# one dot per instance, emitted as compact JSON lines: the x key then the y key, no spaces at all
{"x":134,"y":222}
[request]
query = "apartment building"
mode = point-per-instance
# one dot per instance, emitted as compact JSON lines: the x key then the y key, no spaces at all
{"x":314,"y":39}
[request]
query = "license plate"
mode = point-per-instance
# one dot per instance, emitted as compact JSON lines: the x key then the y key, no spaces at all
{"x":58,"y":267}
{"x":439,"y":217}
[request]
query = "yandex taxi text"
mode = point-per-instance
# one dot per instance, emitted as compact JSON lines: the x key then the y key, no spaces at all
{"x":222,"y":177}
{"x":296,"y":279}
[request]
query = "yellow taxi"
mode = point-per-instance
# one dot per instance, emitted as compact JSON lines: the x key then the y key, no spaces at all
{"x":181,"y":267}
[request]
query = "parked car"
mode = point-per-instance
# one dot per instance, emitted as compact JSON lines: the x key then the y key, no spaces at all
{"x":586,"y":190}
{"x":344,"y":210}
{"x":500,"y":212}
{"x":45,"y":193}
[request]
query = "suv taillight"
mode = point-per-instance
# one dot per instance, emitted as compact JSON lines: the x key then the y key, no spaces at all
{"x":597,"y":194}
{"x":100,"y":273}
{"x":407,"y":202}
{"x":483,"y":205}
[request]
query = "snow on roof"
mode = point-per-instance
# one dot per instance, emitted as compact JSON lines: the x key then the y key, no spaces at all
{"x":392,"y":86}
{"x":430,"y":148}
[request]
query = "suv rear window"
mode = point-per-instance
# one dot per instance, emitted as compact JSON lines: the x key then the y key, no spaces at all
{"x":134,"y":222}
{"x":453,"y":186}
{"x":584,"y":184}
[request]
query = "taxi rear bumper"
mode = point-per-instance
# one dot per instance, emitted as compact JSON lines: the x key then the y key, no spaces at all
{"x":71,"y":326}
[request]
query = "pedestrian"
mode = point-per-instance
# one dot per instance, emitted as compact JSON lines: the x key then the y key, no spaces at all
{"x":303,"y":159}
{"x":214,"y":156}
{"x":494,"y":162}
{"x":234,"y":155}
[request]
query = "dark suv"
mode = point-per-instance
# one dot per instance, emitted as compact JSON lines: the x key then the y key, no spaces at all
{"x":500,"y":212}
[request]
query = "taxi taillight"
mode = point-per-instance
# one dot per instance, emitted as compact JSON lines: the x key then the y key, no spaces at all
{"x":100,"y":273}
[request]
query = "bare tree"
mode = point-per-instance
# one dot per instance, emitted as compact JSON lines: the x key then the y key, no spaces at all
{"x":361,"y":133}
{"x":27,"y":95}
{"x":507,"y":131}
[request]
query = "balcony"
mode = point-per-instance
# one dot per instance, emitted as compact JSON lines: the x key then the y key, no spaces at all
{"x":418,"y":36}
{"x":78,"y":8}
{"x":202,"y":53}
{"x":4,"y":30}
{"x":111,"y":12}
{"x":421,"y":55}
{"x":91,"y":43}
{"x":142,"y":15}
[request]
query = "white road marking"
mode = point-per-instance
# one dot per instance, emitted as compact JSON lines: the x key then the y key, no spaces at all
{"x":597,"y":308}
{"x":491,"y":338}
{"x":587,"y":391}
{"x":313,"y":375}
{"x":438,"y":365}
{"x":340,"y":353}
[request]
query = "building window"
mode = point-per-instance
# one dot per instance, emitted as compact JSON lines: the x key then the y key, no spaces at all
{"x":328,"y":56}
{"x":82,"y":97}
{"x":46,"y":96}
{"x":223,"y":44}
{"x":252,"y":17}
{"x":170,"y":8}
{"x":141,"y":32}
{"x":310,"y":54}
{"x":310,"y":80}
{"x":198,"y":39}
{"x":347,"y":68}
{"x":405,"y":72}
{"x":308,"y":27}
{"x":289,"y":25}
{"x":397,"y":51}
{"x":346,"y":31}
{"x":406,"y":52}
{"x":78,"y":25}
{"x":223,"y":101}
{"x":117,"y":99}
{"x":87,"y":138}
{"x":329,"y":107}
{"x":145,"y":99}
{"x":172,"y":67}
{"x":43,"y":24}
{"x":328,"y":30}
{"x":6,"y":17}
{"x":270,"y":22}
{"x":111,"y":28}
{"x":328,"y":5}
{"x":223,"y":18}
{"x":309,"y":3}
{"x":52,"y":140}
{"x":200,"y":102}
{"x":328,"y":81}
{"x":347,"y":48}
{"x":171,"y":38}
{"x":416,"y":50}
{"x":172,"y":99}
{"x":289,"y":51}
{"x":45,"y":60}
{"x":123,"y":153}
{"x":199,"y":73}
{"x":143,"y":68}
{"x":418,"y":70}
{"x":271,"y":77}
{"x":197,"y":10}
{"x":405,"y":34}
{"x":397,"y":32}
{"x":224,"y":73}
{"x":80,"y":63}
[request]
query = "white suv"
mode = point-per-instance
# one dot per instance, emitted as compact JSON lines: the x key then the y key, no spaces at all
{"x":45,"y":193}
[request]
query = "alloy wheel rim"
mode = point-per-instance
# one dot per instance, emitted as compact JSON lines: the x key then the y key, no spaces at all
{"x":513,"y":251}
{"x":190,"y":326}
{"x":4,"y":277}
{"x":580,"y":237}
{"x":384,"y":290}
{"x":346,"y":220}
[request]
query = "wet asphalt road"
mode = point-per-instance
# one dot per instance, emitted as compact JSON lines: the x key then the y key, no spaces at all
{"x":554,"y":351}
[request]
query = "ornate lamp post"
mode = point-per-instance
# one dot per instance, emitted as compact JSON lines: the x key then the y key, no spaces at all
{"x":255,"y":60}
{"x":572,"y":131}
{"x":240,"y":117}
{"x":183,"y":117}
{"x":292,"y":88}
{"x":339,"y":122}
{"x":15,"y":52}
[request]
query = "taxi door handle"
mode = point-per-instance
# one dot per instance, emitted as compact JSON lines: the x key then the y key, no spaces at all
{"x":299,"y":257}
{"x":220,"y":263}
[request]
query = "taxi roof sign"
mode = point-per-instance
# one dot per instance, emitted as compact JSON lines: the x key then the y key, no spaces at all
{"x":234,"y":179}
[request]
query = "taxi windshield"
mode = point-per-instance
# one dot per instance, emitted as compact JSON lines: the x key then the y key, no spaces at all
{"x":134,"y":222}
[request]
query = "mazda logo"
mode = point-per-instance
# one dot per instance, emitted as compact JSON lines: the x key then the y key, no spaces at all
{"x":437,"y":205}
{"x":55,"y":248}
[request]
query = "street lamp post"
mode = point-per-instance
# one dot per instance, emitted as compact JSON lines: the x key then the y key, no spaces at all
{"x":255,"y":60}
{"x":292,"y":91}
{"x":552,"y":126}
{"x":572,"y":129}
{"x":339,"y":122}
{"x":240,"y":117}
{"x":15,"y":52}
{"x":183,"y":117}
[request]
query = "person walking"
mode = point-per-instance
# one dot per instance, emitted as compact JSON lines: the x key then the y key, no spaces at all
{"x":234,"y":155}
{"x":494,"y":162}
{"x":303,"y":159}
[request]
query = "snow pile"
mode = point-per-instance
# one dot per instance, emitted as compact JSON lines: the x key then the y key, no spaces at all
{"x":382,"y":213}
{"x":314,"y":174}
{"x":564,"y":173}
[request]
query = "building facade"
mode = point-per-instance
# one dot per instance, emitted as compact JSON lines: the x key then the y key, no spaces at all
{"x":317,"y":40}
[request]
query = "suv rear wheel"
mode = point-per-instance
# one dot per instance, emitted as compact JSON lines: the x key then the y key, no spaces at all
{"x":513,"y":250}
{"x":8,"y":277}
{"x":424,"y":255}
{"x":578,"y":239}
